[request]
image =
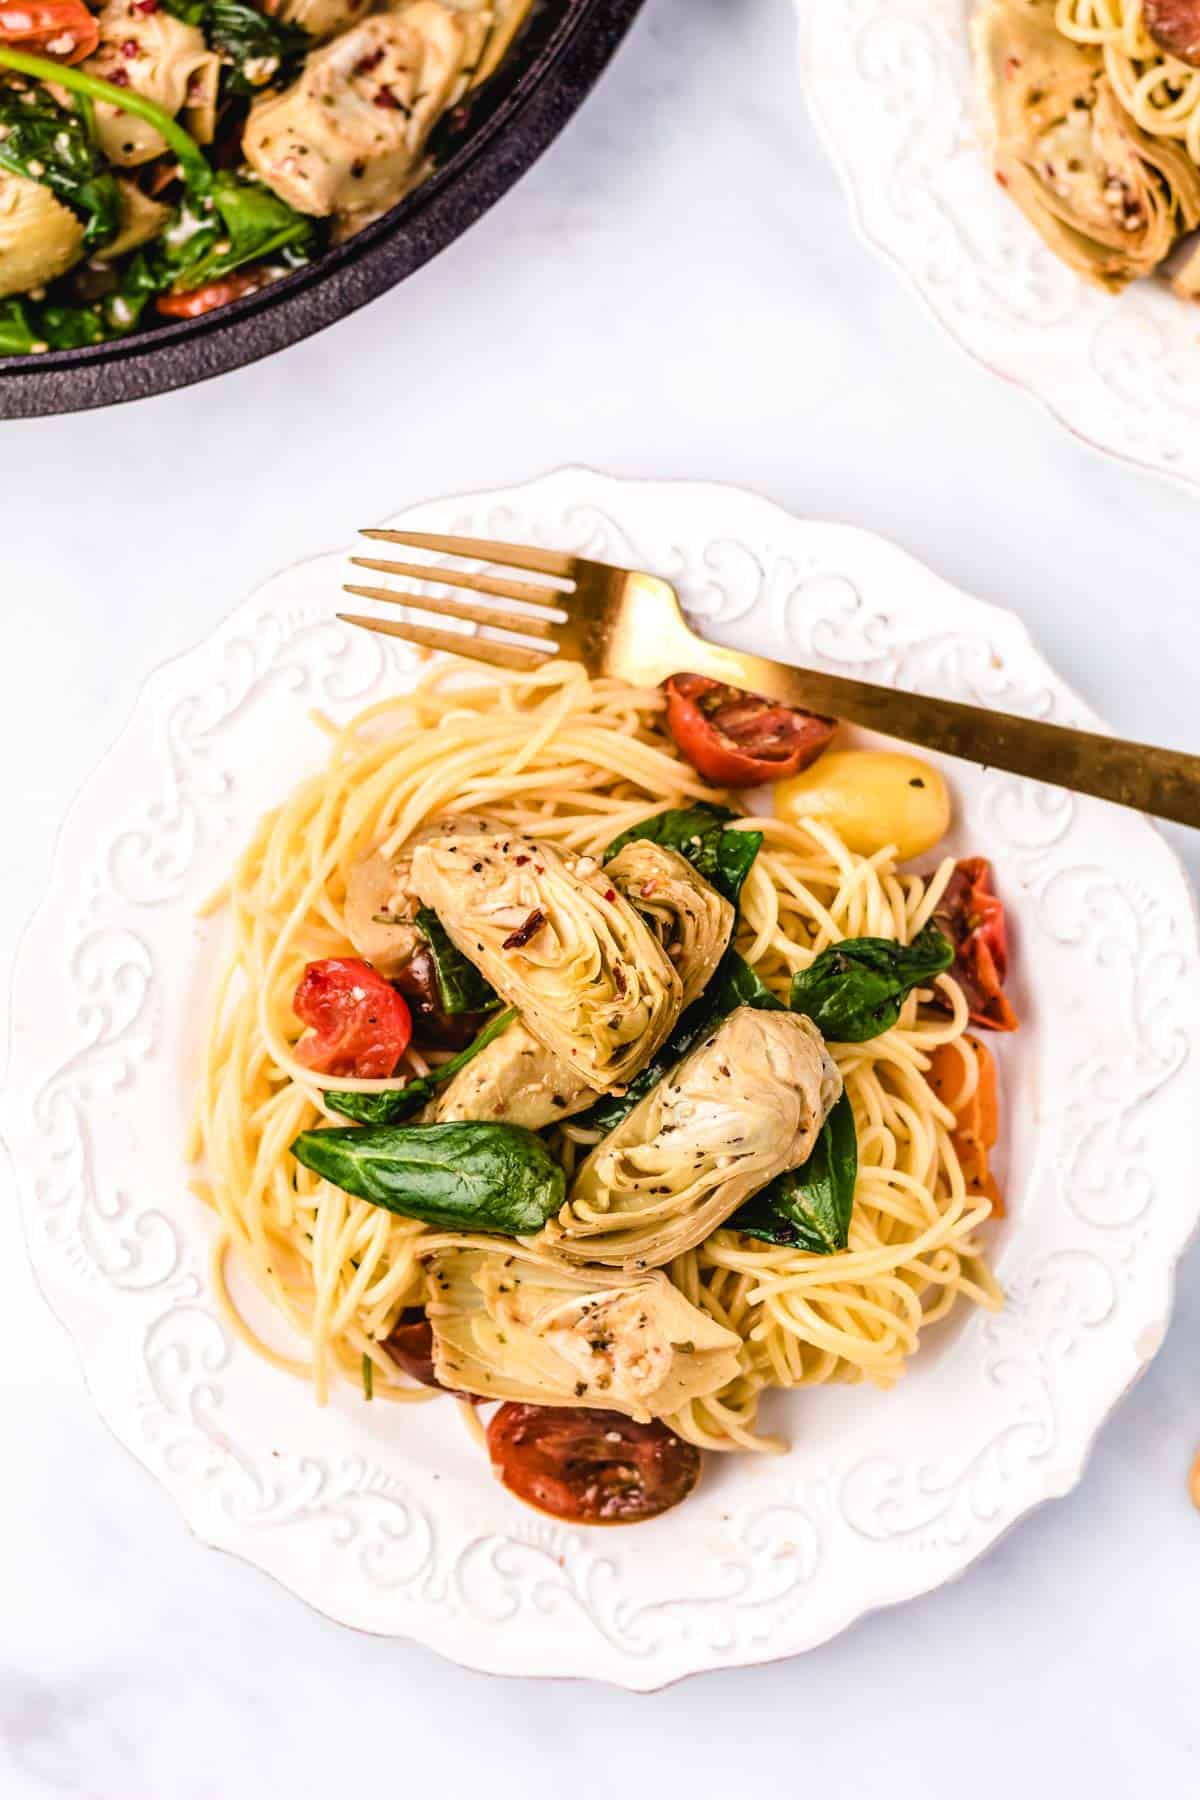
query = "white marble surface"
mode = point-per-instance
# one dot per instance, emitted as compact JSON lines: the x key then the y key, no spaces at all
{"x":675,"y":290}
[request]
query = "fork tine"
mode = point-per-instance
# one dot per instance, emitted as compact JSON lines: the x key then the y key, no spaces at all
{"x":514,"y":556}
{"x":458,"y":643}
{"x":465,"y":578}
{"x":456,"y":609}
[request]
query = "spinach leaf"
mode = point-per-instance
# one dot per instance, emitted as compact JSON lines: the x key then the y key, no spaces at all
{"x":734,"y":984}
{"x":256,"y":51}
{"x":26,"y":325}
{"x":223,"y":222}
{"x":245,"y":223}
{"x":401,"y":1103}
{"x":810,"y":1207}
{"x":462,"y":1176}
{"x":194,"y":167}
{"x":240,"y":223}
{"x":462,"y":988}
{"x":45,"y":142}
{"x":699,"y":832}
{"x":855,"y":989}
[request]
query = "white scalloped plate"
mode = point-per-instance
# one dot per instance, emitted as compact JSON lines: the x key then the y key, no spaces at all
{"x":890,"y":86}
{"x":390,"y":1520}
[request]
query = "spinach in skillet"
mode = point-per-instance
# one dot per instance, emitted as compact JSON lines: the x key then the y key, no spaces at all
{"x":855,"y":989}
{"x":734,"y":984}
{"x":223,"y":222}
{"x":462,"y":988}
{"x":700,"y":833}
{"x":810,"y":1207}
{"x":27,"y":325}
{"x":245,"y":223}
{"x":401,"y":1103}
{"x":238,"y":222}
{"x":461,"y":1176}
{"x":45,"y":142}
{"x":256,"y":51}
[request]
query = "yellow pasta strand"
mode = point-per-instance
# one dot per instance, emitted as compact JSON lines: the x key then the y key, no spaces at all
{"x":577,"y":762}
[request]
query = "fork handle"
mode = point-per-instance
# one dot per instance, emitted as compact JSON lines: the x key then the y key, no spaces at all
{"x":1165,"y":783}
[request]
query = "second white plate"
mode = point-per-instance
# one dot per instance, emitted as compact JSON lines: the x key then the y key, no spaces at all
{"x":891,"y":89}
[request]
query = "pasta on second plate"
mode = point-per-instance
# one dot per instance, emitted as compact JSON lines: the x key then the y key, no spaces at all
{"x":1095,"y":109}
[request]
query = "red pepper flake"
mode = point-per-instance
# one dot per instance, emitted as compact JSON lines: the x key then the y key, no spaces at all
{"x":130,"y":49}
{"x":610,"y":894}
{"x":386,"y":99}
{"x":619,"y":978}
{"x":521,"y":861}
{"x":119,"y":77}
{"x":145,"y":6}
{"x":517,"y":940}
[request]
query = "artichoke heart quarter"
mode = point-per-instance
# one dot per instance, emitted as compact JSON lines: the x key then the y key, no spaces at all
{"x":349,"y":135}
{"x":515,"y":1079}
{"x":1109,"y":199}
{"x":590,"y":980}
{"x":747,"y":1104}
{"x":692,"y":922}
{"x":519,"y":1327}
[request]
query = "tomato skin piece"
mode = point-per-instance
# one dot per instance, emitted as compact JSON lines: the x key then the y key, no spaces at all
{"x":588,"y":1466}
{"x":972,"y":917}
{"x":1175,"y":27}
{"x":360,"y":1025}
{"x":736,"y":739}
{"x":410,"y":1345}
{"x":38,"y":24}
{"x":432,"y":1026}
{"x":198,"y":301}
{"x":977,"y":1120}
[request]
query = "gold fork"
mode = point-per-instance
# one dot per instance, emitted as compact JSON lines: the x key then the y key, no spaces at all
{"x":627,"y":624}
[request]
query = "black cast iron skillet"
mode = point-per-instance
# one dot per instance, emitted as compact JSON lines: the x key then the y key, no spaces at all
{"x":557,"y":58}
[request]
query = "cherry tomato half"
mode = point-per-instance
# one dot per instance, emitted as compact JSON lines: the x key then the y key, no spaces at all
{"x":1175,"y":27}
{"x":735,"y":739}
{"x":62,"y":29}
{"x":973,"y":919}
{"x":360,"y":1024}
{"x":198,"y":301}
{"x":592,"y":1467}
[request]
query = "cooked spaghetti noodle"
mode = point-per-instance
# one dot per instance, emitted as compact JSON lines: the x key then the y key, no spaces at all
{"x":572,"y":762}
